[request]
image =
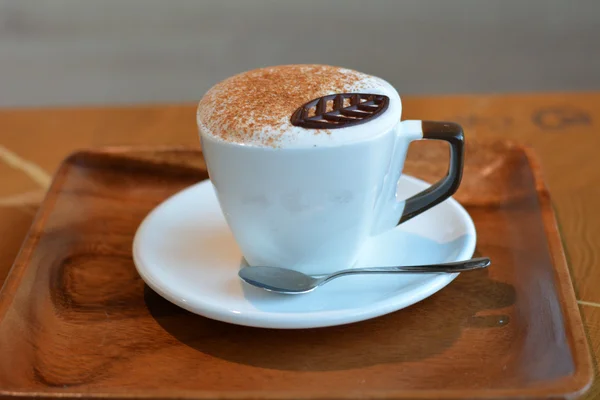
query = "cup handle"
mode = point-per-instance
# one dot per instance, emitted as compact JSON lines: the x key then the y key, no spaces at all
{"x":447,"y":186}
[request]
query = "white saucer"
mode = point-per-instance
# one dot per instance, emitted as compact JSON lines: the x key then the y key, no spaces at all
{"x":185,"y":252}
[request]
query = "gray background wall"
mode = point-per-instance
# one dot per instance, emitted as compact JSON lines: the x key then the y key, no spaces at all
{"x":65,"y":52}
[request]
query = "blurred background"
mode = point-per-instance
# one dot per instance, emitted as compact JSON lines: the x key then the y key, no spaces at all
{"x":74,"y":52}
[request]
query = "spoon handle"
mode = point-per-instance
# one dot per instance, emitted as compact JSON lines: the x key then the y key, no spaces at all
{"x":453,"y":267}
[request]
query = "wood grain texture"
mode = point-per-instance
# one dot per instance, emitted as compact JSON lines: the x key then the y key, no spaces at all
{"x":565,"y":142}
{"x":76,"y":319}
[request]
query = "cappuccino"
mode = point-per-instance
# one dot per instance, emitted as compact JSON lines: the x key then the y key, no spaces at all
{"x":305,"y":161}
{"x":255,"y":108}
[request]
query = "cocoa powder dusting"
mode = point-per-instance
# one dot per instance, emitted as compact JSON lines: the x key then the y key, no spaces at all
{"x":258,"y":104}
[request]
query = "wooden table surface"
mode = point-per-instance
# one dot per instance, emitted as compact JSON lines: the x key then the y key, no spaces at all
{"x":564,"y":129}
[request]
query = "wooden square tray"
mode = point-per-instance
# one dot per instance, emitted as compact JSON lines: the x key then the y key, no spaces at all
{"x":76,"y":320}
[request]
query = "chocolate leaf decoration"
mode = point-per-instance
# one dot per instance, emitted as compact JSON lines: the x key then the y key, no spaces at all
{"x":340,"y":110}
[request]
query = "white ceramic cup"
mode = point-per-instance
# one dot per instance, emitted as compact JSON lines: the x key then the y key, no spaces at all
{"x":312,"y":208}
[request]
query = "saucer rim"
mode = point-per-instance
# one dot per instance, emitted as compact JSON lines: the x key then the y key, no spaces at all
{"x":303,"y":320}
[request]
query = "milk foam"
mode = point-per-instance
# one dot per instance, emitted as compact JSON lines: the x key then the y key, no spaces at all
{"x":281,"y":133}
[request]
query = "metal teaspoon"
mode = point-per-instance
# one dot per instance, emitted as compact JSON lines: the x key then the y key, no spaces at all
{"x":287,"y":281}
